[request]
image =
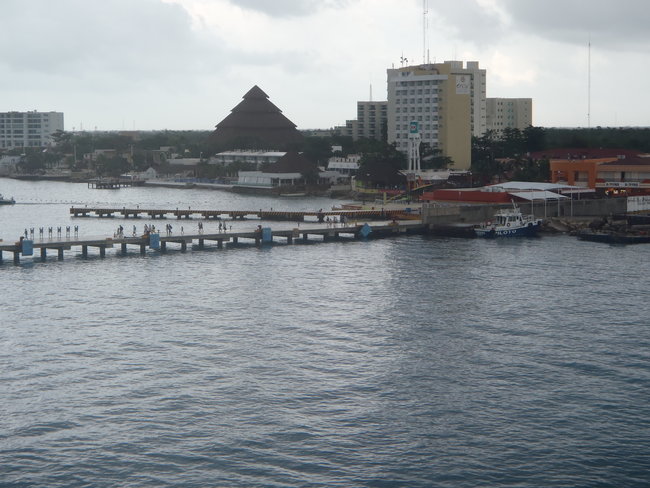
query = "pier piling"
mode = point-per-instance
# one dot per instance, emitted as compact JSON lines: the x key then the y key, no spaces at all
{"x":260,"y":236}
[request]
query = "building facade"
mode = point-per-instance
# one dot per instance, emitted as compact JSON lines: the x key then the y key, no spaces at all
{"x":509,"y":113}
{"x":258,"y":158}
{"x":371,"y":118}
{"x":628,"y":175}
{"x":29,"y":129}
{"x":445,"y":102}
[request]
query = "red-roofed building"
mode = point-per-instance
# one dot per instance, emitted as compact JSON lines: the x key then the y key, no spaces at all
{"x":629,"y":175}
{"x":608,"y":171}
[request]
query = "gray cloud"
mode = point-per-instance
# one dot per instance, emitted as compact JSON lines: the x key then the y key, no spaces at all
{"x":289,"y":8}
{"x":141,"y":39}
{"x":469,"y":21}
{"x":610,"y":24}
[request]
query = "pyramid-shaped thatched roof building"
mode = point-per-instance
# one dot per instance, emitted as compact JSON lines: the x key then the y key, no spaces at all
{"x":256,"y":123}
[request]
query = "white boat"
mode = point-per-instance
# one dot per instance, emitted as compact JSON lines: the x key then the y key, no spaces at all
{"x":509,"y":223}
{"x":6,"y":201}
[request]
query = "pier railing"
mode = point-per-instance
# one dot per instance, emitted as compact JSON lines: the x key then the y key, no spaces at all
{"x":160,"y":241}
{"x":287,"y":215}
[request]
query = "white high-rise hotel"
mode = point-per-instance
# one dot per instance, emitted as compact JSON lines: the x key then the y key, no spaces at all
{"x":29,"y":129}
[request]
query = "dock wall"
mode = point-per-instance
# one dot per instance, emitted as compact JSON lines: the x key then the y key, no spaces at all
{"x":436,"y":213}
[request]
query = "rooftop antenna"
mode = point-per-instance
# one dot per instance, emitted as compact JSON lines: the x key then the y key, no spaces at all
{"x":371,"y":92}
{"x":589,"y":83}
{"x":425,"y":26}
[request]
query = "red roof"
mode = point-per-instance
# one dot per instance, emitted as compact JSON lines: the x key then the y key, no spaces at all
{"x":631,"y":161}
{"x":583,"y":153}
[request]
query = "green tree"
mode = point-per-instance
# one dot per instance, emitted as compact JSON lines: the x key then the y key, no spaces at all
{"x":63,"y":141}
{"x":382,"y":168}
{"x":317,"y":149}
{"x":529,"y":169}
{"x":535,"y":138}
{"x":484,"y":163}
{"x":111,"y":166}
{"x":310,"y":176}
{"x":432,"y":158}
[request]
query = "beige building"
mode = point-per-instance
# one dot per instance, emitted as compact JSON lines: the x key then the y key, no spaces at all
{"x":478,"y":92}
{"x":371,"y":116}
{"x":513,"y":113}
{"x":446,"y":101}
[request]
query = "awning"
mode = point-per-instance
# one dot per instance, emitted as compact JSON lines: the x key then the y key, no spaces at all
{"x":530,"y":186}
{"x":536,"y":195}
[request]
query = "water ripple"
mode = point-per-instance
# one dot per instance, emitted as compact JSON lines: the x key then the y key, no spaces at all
{"x":400,"y":362}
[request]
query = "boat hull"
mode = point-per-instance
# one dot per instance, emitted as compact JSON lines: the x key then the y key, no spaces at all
{"x":528,"y":230}
{"x":614,"y":238}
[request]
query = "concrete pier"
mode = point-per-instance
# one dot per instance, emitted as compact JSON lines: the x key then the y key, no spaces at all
{"x":280,"y":215}
{"x":258,"y":237}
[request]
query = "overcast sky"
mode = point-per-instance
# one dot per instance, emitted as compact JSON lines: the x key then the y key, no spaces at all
{"x":184,"y":64}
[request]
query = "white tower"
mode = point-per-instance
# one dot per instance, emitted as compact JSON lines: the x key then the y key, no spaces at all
{"x":414,"y":148}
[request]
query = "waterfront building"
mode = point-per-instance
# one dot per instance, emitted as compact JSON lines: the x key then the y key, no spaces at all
{"x":29,"y":129}
{"x":607,"y":171}
{"x":444,"y":103}
{"x":506,"y":192}
{"x":509,"y":113}
{"x":324,"y":133}
{"x":344,"y":165}
{"x":289,"y":171}
{"x":255,"y":123}
{"x":8,"y":164}
{"x":258,"y":158}
{"x":370,"y":121}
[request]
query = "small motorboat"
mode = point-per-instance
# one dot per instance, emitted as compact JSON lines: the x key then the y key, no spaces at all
{"x":6,"y":201}
{"x":614,"y":237}
{"x":509,"y":223}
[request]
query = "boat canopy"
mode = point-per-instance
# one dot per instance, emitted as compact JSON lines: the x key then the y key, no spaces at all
{"x":537,"y":195}
{"x":529,"y":185}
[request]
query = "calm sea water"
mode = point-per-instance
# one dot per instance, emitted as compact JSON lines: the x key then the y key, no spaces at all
{"x":402,"y":362}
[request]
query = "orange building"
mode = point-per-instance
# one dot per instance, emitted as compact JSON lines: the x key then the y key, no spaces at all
{"x":608,"y":171}
{"x":626,"y":175}
{"x":581,"y":172}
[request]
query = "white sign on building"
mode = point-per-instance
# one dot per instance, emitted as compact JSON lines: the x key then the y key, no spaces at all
{"x":638,"y":204}
{"x":462,"y":84}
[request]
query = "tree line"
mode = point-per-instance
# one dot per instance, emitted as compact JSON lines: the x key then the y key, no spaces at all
{"x":495,"y":155}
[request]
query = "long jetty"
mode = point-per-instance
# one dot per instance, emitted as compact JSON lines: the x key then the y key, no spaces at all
{"x":286,"y":215}
{"x":159,"y":242}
